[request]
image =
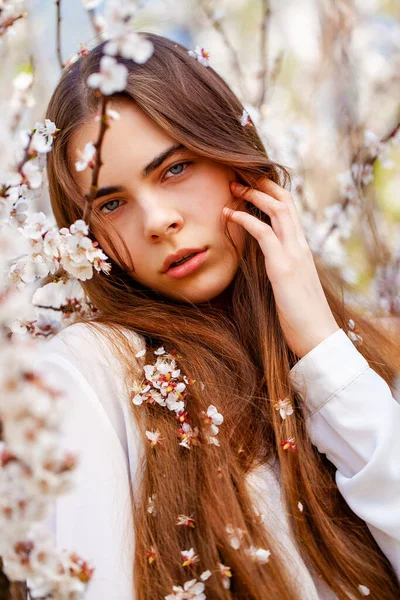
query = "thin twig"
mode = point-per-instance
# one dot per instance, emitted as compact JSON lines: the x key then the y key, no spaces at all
{"x":59,"y":55}
{"x":10,"y":22}
{"x":360,"y":185}
{"x":216,"y":23}
{"x":264,"y":35}
{"x":95,"y":176}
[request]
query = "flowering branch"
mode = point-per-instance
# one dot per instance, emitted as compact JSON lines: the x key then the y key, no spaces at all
{"x":98,"y":164}
{"x":215,"y":20}
{"x":360,"y":173}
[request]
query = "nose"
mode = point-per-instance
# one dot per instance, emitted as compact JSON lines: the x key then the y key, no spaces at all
{"x":161,"y":223}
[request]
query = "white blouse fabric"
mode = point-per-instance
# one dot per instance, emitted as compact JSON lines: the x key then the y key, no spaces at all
{"x":352,"y":417}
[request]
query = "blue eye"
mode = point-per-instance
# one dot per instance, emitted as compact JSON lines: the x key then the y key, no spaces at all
{"x":181,"y":164}
{"x":106,"y":204}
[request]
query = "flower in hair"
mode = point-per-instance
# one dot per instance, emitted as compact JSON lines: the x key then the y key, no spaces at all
{"x":246,"y":120}
{"x":355,"y":338}
{"x":191,"y":590}
{"x":212,"y":418}
{"x":166,"y":386}
{"x":289,"y":443}
{"x":42,"y":139}
{"x":188,"y":435}
{"x":364,"y":591}
{"x":154,"y":437}
{"x":226,"y":575}
{"x":162,"y":384}
{"x":235,"y":535}
{"x":201,"y":55}
{"x":285,"y":407}
{"x":151,"y":554}
{"x":185,"y":521}
{"x":259,"y":555}
{"x":189,"y":558}
{"x":151,"y":505}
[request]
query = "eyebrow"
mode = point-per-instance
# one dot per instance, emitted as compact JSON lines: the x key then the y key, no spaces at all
{"x":156,"y":162}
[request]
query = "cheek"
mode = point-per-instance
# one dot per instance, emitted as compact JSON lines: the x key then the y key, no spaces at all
{"x":115,"y":249}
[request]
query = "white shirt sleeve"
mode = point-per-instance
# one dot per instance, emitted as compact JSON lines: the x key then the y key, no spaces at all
{"x":354,"y":420}
{"x":95,"y":518}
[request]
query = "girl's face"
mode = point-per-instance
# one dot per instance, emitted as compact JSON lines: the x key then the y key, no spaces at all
{"x":162,"y":206}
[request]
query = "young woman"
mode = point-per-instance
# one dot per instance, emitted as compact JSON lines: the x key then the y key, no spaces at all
{"x":270,"y":471}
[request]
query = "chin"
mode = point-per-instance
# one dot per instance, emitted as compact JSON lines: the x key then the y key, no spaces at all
{"x":207,"y":292}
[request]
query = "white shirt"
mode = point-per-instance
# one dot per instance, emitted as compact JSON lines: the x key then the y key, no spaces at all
{"x":352,"y":417}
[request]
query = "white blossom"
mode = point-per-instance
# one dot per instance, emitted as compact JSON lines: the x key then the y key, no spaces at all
{"x":235,"y":535}
{"x":130,"y":45}
{"x":43,"y":137}
{"x":364,"y":591}
{"x":191,"y":590}
{"x":151,"y":505}
{"x":22,"y":81}
{"x":32,"y":173}
{"x":91,"y":4}
{"x":226,"y":575}
{"x":285,"y":408}
{"x":362,"y":173}
{"x":348,"y":188}
{"x":112,"y":77}
{"x":201,"y":55}
{"x":85,"y":157}
{"x":154,"y":437}
{"x":190,"y":558}
{"x":259,"y":555}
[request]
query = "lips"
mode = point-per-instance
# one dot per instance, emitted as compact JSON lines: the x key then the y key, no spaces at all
{"x":178,"y":255}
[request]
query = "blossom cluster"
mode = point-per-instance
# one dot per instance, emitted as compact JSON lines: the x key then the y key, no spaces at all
{"x":50,"y":248}
{"x":194,"y":589}
{"x":20,"y":186}
{"x":34,"y":471}
{"x":191,"y":590}
{"x":361,"y":172}
{"x":163,"y":385}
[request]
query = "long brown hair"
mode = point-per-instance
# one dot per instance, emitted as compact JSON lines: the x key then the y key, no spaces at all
{"x":238,"y":358}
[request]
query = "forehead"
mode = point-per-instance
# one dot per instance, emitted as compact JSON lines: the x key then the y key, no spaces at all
{"x":128,"y":144}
